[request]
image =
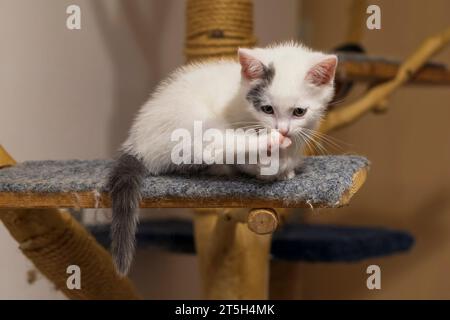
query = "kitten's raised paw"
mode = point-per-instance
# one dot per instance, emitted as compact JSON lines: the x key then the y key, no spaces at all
{"x":285,"y":142}
{"x":277,"y":139}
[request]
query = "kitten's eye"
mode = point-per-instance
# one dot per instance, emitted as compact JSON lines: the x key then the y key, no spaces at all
{"x":299,"y":112}
{"x":267,"y":109}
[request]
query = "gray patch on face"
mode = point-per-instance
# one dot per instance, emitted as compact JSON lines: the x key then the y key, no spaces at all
{"x":256,"y":94}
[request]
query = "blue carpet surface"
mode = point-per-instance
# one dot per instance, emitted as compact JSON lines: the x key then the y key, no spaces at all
{"x":293,"y":242}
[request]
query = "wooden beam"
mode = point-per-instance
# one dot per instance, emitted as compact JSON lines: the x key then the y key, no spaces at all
{"x":358,"y":67}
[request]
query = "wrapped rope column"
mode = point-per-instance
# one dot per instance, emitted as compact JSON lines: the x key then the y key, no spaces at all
{"x":217,"y":28}
{"x":233,"y":261}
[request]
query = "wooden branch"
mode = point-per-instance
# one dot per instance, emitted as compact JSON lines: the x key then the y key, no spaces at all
{"x":347,"y":114}
{"x":362,"y":68}
{"x":53,"y":240}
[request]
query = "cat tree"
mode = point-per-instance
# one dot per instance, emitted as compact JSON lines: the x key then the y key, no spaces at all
{"x":232,"y":245}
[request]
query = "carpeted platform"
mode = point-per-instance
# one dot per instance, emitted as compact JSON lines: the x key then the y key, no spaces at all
{"x":321,"y":180}
{"x":294,"y":242}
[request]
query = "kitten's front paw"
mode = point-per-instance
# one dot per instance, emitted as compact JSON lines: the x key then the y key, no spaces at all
{"x":276,"y":139}
{"x":287,"y":175}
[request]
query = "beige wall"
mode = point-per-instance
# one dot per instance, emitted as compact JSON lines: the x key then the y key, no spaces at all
{"x":72,"y":94}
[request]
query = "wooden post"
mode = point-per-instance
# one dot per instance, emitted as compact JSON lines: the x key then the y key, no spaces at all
{"x":234,"y":261}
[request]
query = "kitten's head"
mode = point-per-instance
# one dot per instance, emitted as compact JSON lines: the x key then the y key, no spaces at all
{"x":287,"y":87}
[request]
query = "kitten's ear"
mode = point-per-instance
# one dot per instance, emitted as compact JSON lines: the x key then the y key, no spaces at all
{"x":251,"y":67}
{"x":323,"y":72}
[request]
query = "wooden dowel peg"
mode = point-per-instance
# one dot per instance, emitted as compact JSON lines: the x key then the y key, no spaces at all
{"x":262,"y":221}
{"x":258,"y":220}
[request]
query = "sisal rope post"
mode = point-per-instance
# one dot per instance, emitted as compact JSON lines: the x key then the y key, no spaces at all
{"x":233,"y":260}
{"x":215,"y":29}
{"x":53,"y":240}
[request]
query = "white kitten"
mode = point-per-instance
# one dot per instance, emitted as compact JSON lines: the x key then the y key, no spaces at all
{"x":285,"y":88}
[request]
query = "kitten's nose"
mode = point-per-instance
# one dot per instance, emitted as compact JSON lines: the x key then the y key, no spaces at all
{"x":283,"y":131}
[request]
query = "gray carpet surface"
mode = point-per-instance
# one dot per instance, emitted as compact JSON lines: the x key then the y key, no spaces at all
{"x":321,"y":179}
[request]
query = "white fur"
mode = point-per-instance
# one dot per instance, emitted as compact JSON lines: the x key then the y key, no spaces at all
{"x":215,"y":93}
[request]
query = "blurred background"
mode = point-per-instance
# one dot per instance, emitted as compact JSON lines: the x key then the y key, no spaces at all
{"x":73,"y":94}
